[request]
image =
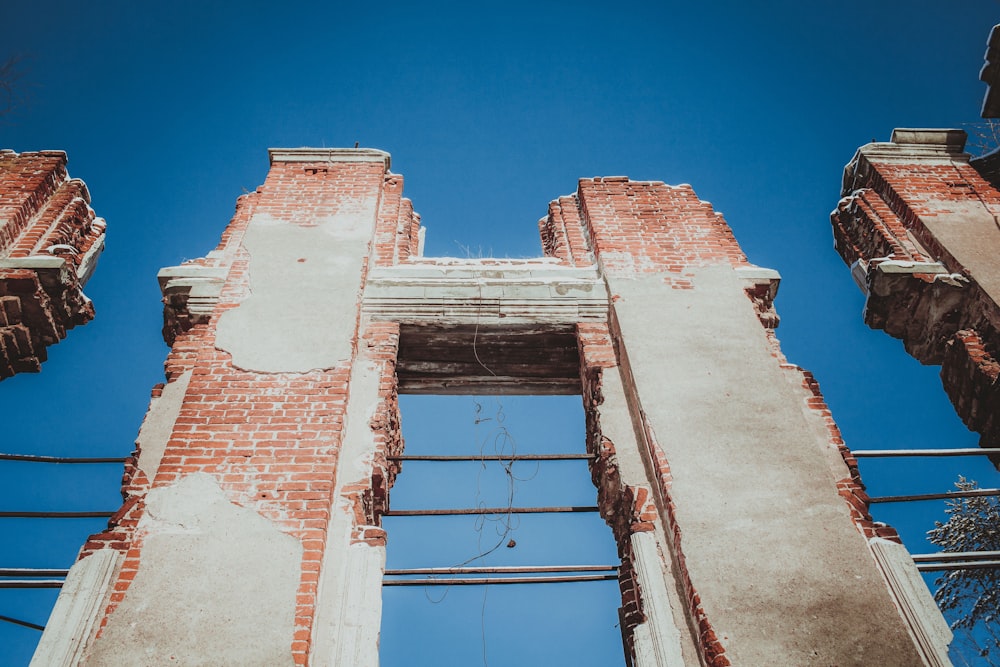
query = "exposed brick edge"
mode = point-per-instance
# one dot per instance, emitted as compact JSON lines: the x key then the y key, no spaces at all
{"x":616,"y":500}
{"x":850,"y":488}
{"x":633,"y":509}
{"x":970,"y":373}
{"x":35,"y":177}
{"x":563,"y":233}
{"x":865,"y":227}
{"x":65,"y":219}
{"x":369,"y":497}
{"x":397,"y":229}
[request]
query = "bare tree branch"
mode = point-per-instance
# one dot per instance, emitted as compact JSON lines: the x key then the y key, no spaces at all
{"x":971,"y":598}
{"x":984,"y":137}
{"x":12,"y":89}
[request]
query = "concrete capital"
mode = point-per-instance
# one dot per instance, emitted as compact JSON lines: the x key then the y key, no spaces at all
{"x":329,"y":155}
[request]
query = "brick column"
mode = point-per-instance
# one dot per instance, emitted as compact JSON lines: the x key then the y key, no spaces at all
{"x":748,"y":483}
{"x":231,"y":493}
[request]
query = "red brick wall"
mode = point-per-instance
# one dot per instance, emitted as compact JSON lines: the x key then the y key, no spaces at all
{"x":271,"y":440}
{"x":638,"y":227}
{"x":396,"y":231}
{"x":893,"y":197}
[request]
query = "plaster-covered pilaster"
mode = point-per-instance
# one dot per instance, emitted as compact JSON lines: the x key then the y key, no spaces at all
{"x":349,"y":597}
{"x":81,"y":600}
{"x":196,"y":541}
{"x":763,"y":526}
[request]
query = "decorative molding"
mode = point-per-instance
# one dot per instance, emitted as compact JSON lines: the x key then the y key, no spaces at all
{"x":927,"y":626}
{"x":77,"y":610}
{"x":453,"y":292}
{"x":190,"y":293}
{"x":314,"y":155}
{"x":657,"y":640}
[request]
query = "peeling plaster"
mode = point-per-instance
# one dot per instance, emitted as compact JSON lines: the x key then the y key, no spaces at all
{"x":159,"y":424}
{"x":299,"y":316}
{"x":202,"y":562}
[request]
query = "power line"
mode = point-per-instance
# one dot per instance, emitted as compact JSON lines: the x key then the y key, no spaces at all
{"x":488,"y":510}
{"x":17,"y":621}
{"x":55,"y":515}
{"x":969,"y":451}
{"x":974,"y":493}
{"x":38,"y":458}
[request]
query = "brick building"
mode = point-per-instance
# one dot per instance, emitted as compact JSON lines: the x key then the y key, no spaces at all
{"x":251,"y":528}
{"x":50,"y":240}
{"x":919,"y":226}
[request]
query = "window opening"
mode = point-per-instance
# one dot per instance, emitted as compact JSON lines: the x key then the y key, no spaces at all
{"x":483,"y":456}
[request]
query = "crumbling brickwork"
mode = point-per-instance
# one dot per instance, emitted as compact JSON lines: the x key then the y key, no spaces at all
{"x":50,"y":239}
{"x":271,"y":440}
{"x":253,"y":502}
{"x":639,"y":227}
{"x":919,"y":227}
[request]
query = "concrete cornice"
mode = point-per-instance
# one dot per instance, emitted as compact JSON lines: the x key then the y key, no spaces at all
{"x":306,"y":154}
{"x":190,"y":293}
{"x":920,"y":144}
{"x":467,"y":292}
{"x":927,"y":146}
{"x":34,"y":263}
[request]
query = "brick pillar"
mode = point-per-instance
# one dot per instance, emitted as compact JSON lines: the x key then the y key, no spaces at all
{"x":238,"y":474}
{"x":747,"y":475}
{"x":920,"y":229}
{"x":50,"y":240}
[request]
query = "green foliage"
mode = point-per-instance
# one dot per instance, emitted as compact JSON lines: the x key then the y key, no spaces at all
{"x":971,"y":596}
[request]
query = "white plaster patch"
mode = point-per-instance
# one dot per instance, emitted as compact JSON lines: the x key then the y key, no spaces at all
{"x":159,"y":424}
{"x":222,"y":578}
{"x":304,"y":287}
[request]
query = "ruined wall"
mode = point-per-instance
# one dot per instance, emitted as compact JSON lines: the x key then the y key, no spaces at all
{"x":250,"y":532}
{"x":230,"y":494}
{"x":49,"y":243}
{"x":747,"y":476}
{"x":920,"y":228}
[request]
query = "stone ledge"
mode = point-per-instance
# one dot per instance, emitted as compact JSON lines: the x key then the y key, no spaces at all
{"x":306,"y":154}
{"x":190,"y":293}
{"x":469,"y":293}
{"x":914,"y":144}
{"x":758,"y":275}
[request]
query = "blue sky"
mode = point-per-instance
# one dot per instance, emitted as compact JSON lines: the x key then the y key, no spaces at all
{"x":167,"y":109}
